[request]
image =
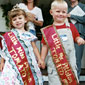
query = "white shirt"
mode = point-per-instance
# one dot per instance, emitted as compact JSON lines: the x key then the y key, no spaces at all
{"x":36,"y":11}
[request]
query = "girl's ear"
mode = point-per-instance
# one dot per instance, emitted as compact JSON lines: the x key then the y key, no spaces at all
{"x":26,"y":20}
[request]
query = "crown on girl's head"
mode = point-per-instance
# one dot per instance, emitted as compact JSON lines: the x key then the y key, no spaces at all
{"x":15,"y":7}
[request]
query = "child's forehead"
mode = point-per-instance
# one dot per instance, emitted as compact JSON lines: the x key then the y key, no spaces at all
{"x":15,"y":16}
{"x":60,"y":7}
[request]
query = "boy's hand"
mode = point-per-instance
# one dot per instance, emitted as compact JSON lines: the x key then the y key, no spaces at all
{"x":80,"y":41}
{"x":41,"y":63}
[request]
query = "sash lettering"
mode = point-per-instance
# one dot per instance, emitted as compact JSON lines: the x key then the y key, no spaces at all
{"x":59,"y":56}
{"x":19,"y":57}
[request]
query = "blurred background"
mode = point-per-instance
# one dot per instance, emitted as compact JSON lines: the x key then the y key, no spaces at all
{"x":6,"y":5}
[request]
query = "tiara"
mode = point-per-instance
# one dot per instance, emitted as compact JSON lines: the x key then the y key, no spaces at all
{"x":15,"y":7}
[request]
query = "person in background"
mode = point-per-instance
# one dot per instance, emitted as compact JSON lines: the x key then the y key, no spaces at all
{"x":19,"y":53}
{"x":59,"y":39}
{"x":80,"y":25}
{"x":34,"y":14}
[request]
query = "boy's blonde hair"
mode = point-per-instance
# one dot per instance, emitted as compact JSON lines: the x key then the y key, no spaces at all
{"x":16,"y":11}
{"x":57,"y":3}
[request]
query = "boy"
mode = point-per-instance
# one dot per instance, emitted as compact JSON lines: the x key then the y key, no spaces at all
{"x":58,"y":38}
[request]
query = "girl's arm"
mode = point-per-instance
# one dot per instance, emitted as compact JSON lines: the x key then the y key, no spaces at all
{"x":2,"y":64}
{"x":35,"y":49}
{"x":37,"y":54}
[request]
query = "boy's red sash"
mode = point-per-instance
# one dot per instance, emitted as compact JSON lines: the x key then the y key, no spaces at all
{"x":59,"y":56}
{"x":19,"y":57}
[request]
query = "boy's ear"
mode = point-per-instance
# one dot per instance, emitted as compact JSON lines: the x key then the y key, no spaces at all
{"x":50,"y":11}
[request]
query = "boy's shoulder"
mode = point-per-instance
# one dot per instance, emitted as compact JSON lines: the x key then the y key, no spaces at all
{"x":46,"y":27}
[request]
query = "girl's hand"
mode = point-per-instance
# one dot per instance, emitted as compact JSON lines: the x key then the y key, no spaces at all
{"x":41,"y":63}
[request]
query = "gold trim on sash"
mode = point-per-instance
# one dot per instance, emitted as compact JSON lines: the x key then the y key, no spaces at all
{"x":59,"y":56}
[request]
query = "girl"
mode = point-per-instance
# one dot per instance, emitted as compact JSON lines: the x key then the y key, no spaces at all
{"x":19,"y":51}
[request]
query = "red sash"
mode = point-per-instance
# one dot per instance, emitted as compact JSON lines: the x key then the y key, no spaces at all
{"x":59,"y":56}
{"x":19,"y":57}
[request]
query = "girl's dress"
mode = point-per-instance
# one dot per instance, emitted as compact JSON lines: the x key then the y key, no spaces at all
{"x":10,"y":74}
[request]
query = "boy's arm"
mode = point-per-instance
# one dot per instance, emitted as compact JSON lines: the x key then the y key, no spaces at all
{"x":80,"y":40}
{"x":44,"y":51}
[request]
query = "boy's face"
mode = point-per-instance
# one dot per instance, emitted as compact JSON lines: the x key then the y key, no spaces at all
{"x":19,"y":22}
{"x":59,"y":13}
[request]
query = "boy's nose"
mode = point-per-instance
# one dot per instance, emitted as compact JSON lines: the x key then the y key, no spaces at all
{"x":61,"y":13}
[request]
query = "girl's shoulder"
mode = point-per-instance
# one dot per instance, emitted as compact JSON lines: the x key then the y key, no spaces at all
{"x":29,"y":36}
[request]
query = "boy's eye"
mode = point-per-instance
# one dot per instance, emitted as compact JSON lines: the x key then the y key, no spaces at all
{"x":58,"y":11}
{"x":64,"y":11}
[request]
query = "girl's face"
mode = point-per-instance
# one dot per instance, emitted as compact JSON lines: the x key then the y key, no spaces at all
{"x":59,"y":13}
{"x":19,"y":22}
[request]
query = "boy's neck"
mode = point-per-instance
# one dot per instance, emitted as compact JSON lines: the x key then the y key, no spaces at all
{"x":73,"y":4}
{"x":58,"y":24}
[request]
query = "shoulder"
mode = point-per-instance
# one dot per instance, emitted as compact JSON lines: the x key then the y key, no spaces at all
{"x":81,"y":5}
{"x":37,"y":8}
{"x":72,"y":26}
{"x":6,"y":33}
{"x":21,"y":4}
{"x":31,"y":36}
{"x":47,"y":27}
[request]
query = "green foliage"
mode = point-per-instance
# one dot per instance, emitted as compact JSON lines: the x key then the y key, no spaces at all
{"x":6,"y":8}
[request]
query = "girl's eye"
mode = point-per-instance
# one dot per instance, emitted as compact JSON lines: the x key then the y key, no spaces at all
{"x":14,"y":19}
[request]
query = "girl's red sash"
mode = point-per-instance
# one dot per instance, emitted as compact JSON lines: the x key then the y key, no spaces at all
{"x":19,"y":57}
{"x":59,"y":56}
